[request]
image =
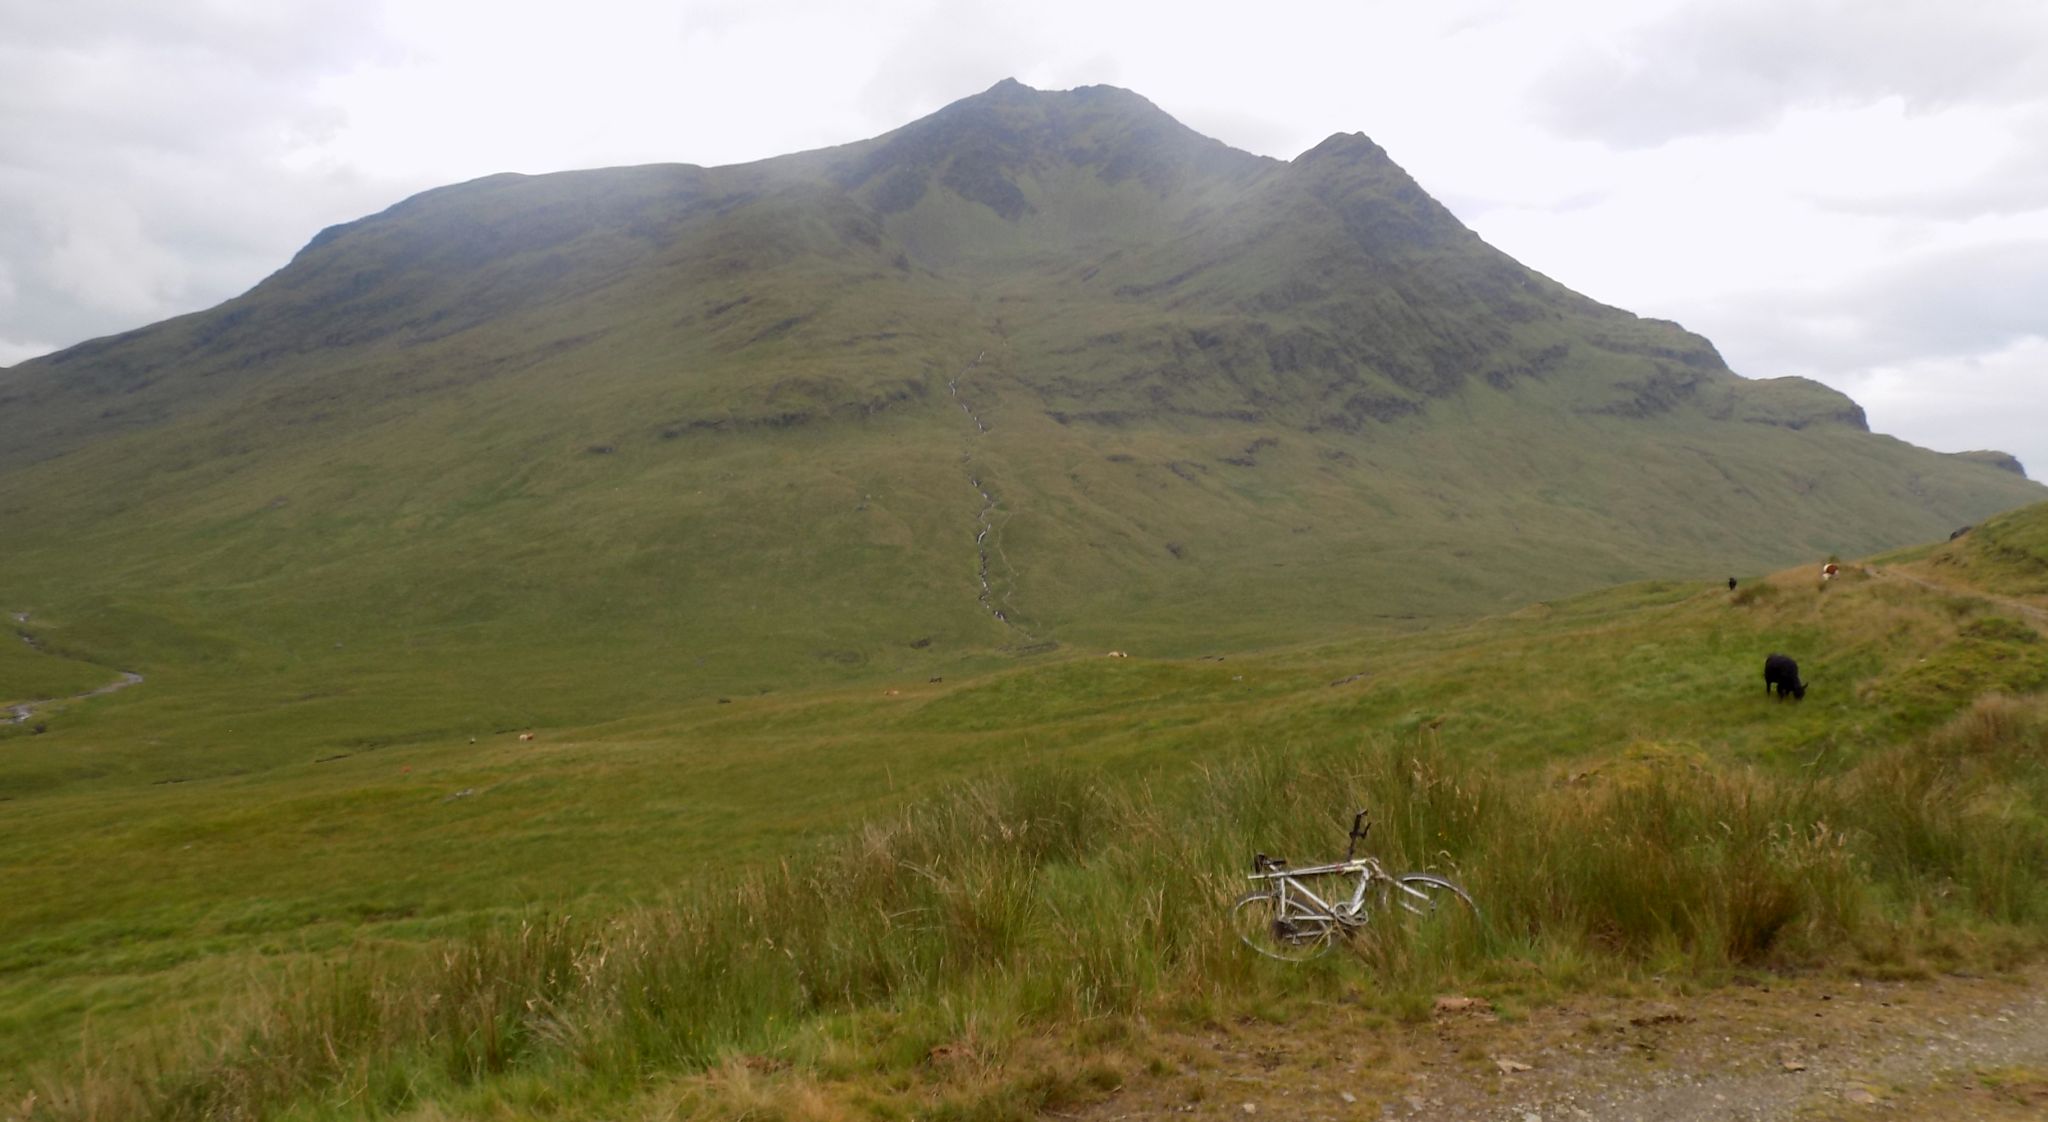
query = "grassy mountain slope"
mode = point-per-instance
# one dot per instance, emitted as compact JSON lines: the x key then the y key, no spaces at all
{"x":551,"y":450}
{"x":1604,"y":773}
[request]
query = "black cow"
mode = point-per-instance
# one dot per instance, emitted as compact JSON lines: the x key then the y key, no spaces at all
{"x":1782,"y":672}
{"x":1731,"y":584}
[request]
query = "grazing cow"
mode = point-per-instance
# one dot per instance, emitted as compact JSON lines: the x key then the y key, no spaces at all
{"x":1780,"y":671}
{"x":1731,"y":584}
{"x":526,"y":736}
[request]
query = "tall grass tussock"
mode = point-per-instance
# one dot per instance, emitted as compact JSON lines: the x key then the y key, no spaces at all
{"x":1040,"y":899}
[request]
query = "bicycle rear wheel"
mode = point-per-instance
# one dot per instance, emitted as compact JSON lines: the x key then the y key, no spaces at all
{"x":1282,"y":928}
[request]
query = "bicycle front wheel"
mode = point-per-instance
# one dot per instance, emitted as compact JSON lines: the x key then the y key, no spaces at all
{"x":1425,"y":897}
{"x":1282,"y":928}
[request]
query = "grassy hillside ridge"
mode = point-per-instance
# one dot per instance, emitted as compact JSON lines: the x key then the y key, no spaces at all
{"x":2007,"y":555}
{"x":601,"y":438}
{"x":1891,"y":822}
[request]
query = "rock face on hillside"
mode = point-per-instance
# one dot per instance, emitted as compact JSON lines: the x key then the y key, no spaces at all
{"x":2003,"y":461}
{"x":1792,"y":403}
{"x":1037,"y":367}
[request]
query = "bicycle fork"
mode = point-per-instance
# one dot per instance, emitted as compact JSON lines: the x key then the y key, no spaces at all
{"x":1407,"y":900}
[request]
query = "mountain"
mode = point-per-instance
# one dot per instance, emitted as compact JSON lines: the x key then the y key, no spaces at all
{"x":1041,"y":368}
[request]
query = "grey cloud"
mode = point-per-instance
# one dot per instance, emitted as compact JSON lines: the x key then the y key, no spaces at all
{"x":1948,"y":306}
{"x":124,"y":132}
{"x":1962,"y":301}
{"x":1948,"y":351}
{"x":1726,"y":66}
{"x":1994,"y":402}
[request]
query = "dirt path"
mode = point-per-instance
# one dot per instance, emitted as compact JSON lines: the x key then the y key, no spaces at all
{"x":2037,"y":615}
{"x":1806,"y":1050}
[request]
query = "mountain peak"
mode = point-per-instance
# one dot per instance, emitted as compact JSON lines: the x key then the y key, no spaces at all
{"x":1013,"y":92}
{"x":1345,"y":147}
{"x":1009,"y":89}
{"x":1011,"y":105}
{"x":983,"y":147}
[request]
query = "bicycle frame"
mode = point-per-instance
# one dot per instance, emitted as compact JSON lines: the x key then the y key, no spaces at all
{"x":1348,"y":912}
{"x":1366,"y":869}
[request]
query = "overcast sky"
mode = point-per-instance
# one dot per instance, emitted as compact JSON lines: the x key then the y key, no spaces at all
{"x":1851,"y":190}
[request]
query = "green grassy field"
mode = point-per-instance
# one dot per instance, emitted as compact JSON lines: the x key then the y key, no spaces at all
{"x":843,"y":878}
{"x":696,"y":475}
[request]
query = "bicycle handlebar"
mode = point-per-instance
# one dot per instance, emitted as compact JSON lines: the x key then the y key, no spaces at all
{"x":1359,"y":828}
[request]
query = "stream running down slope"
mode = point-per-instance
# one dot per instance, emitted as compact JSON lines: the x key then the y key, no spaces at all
{"x":20,"y":713}
{"x":984,"y":520}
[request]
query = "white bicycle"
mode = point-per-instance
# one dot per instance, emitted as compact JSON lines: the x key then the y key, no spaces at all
{"x":1289,"y":920}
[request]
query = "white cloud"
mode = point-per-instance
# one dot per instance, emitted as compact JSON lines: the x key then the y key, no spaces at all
{"x":1945,"y":307}
{"x":1727,"y":66}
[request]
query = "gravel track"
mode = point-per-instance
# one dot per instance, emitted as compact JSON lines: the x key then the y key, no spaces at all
{"x":1787,"y":1051}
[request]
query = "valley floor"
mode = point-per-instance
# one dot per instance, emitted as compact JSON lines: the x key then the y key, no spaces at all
{"x":1946,"y":1048}
{"x":988,"y":896}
